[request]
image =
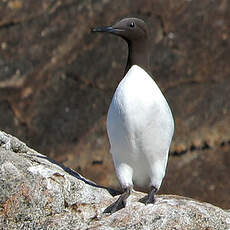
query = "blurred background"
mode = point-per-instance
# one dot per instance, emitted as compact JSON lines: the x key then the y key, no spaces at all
{"x":57,"y":80}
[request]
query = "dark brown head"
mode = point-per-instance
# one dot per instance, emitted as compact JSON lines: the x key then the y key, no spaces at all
{"x":130,"y":29}
{"x":135,"y":32}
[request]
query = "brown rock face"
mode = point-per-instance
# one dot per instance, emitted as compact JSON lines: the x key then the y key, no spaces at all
{"x":57,"y":80}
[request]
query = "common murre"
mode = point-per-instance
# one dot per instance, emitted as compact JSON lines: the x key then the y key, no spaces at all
{"x":140,"y":124}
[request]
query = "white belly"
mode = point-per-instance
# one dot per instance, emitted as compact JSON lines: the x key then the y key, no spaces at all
{"x":140,"y":127}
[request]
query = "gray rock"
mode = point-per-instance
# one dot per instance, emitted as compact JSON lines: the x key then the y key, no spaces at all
{"x":37,"y":193}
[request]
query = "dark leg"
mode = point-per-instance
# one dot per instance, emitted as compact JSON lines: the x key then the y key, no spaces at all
{"x":151,"y":196}
{"x":120,"y":202}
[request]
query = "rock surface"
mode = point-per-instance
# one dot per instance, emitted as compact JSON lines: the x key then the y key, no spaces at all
{"x":37,"y":193}
{"x":57,"y":80}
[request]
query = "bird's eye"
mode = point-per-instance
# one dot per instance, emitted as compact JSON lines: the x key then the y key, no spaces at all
{"x":132,"y":24}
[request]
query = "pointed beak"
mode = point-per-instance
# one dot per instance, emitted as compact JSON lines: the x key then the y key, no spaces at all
{"x":108,"y":29}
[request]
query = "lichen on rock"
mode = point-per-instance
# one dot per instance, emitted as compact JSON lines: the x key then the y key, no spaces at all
{"x":37,"y":193}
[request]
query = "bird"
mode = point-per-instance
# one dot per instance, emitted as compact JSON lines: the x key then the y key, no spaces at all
{"x":140,"y":124}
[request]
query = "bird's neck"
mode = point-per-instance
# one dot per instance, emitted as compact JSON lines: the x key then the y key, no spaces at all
{"x":138,"y":54}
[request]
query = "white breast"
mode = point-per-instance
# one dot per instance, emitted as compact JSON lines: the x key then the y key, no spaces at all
{"x":140,"y":127}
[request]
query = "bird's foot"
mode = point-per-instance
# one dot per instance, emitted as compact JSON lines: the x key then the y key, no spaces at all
{"x":151,"y":196}
{"x":117,"y":205}
{"x":120,"y":202}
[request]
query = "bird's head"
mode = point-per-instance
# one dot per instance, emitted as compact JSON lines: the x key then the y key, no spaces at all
{"x":130,"y":29}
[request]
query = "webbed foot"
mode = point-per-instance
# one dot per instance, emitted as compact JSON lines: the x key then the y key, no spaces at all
{"x":120,"y":202}
{"x":151,"y":196}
